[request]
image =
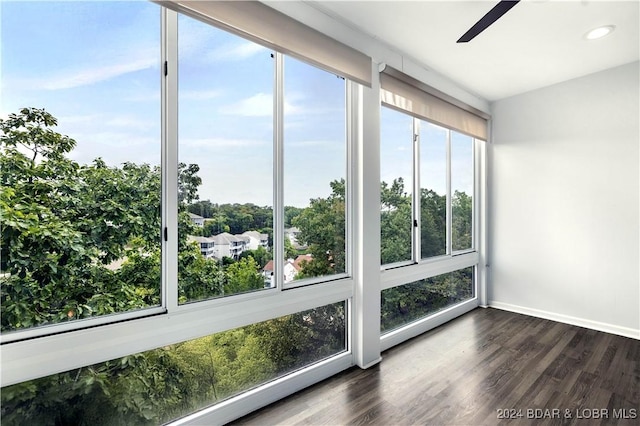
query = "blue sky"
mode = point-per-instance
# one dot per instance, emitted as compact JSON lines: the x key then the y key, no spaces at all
{"x":396,"y":154}
{"x":96,"y":67}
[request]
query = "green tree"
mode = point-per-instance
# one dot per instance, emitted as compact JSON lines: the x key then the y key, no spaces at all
{"x":63,"y":224}
{"x":290,"y":213}
{"x":82,"y":240}
{"x":462,"y":219}
{"x":433,"y":223}
{"x":188,"y":183}
{"x":290,"y":251}
{"x":243,"y":276}
{"x":395,"y":222}
{"x":261,"y":255}
{"x":409,"y":302}
{"x":322,"y":229}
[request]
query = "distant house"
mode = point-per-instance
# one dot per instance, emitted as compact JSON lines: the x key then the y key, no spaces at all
{"x":256,"y":240}
{"x":292,"y":235}
{"x":227,"y":245}
{"x":198,"y":220}
{"x":290,"y":270}
{"x":207,"y":245}
{"x":301,"y":258}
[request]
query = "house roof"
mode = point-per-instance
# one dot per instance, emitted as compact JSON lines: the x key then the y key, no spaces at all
{"x":226,"y":238}
{"x":256,"y":235}
{"x":200,"y":239}
{"x":268,"y":266}
{"x":195,"y":216}
{"x":300,"y":258}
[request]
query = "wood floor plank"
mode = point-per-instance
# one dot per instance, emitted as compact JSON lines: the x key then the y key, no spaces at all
{"x":472,"y":370}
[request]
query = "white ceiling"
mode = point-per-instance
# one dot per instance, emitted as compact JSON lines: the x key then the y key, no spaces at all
{"x":535,"y":44}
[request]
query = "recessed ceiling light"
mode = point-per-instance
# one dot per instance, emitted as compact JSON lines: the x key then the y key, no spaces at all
{"x":599,"y":32}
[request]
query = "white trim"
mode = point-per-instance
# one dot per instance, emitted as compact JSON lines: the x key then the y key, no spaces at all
{"x":80,"y":324}
{"x":31,"y":359}
{"x":277,"y":280}
{"x":170,"y":161}
{"x":261,"y":396}
{"x":567,"y":319}
{"x":262,"y":24}
{"x":449,"y":199}
{"x":481,"y":220}
{"x":352,"y":133}
{"x":416,"y":198}
{"x":366,"y":230}
{"x":399,"y":276}
{"x":423,"y":325}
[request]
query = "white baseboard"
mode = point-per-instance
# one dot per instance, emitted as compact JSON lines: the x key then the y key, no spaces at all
{"x":580,"y":322}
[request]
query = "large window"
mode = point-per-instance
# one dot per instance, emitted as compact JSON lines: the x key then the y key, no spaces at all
{"x":462,"y":180}
{"x":433,"y":190}
{"x":410,"y":302}
{"x":183,"y":200}
{"x":80,"y":161}
{"x":225,"y":154}
{"x":162,"y":180}
{"x":396,"y":186}
{"x":427,"y":188}
{"x":315,"y":171}
{"x":160,"y":385}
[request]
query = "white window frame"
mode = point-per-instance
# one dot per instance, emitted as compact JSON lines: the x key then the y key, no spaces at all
{"x":416,"y":237}
{"x":43,"y":351}
{"x":29,"y":357}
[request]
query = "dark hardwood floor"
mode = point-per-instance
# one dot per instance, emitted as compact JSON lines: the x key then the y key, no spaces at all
{"x":487,"y":367}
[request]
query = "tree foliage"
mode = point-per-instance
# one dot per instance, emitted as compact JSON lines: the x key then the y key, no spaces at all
{"x":395,"y":223}
{"x":409,"y":302}
{"x":84,"y":240}
{"x":65,"y":224}
{"x":233,"y":218}
{"x":322,"y":229}
{"x":80,"y":240}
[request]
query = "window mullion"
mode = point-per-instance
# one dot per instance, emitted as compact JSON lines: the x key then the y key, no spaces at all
{"x":449,"y":198}
{"x":416,"y":202}
{"x":278,"y":171}
{"x":169,"y":100}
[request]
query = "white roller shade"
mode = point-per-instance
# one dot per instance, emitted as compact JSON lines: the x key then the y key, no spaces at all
{"x":417,"y":102}
{"x":277,"y":31}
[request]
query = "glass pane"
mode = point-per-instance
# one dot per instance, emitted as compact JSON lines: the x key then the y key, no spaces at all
{"x":396,"y":171}
{"x":410,"y":302}
{"x":433,"y":190}
{"x":160,"y":385}
{"x":461,"y":191}
{"x":315,"y":168}
{"x":225,"y":188}
{"x":80,"y":196}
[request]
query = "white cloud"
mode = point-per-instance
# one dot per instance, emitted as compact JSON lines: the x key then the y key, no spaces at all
{"x":325,"y":143}
{"x":88,"y":76}
{"x":116,"y":148}
{"x":199,"y":95}
{"x":235,"y":52}
{"x":132,"y":123}
{"x":258,"y":105}
{"x":219,"y":143}
{"x":88,"y":124}
{"x":143,"y":96}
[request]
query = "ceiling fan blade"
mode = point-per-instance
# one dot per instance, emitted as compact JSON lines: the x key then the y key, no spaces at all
{"x":492,"y":16}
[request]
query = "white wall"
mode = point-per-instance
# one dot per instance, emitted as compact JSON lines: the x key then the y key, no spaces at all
{"x":564,"y":202}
